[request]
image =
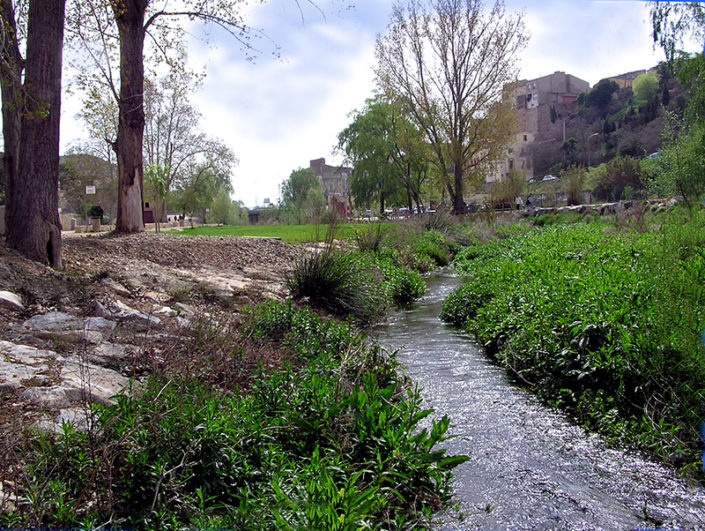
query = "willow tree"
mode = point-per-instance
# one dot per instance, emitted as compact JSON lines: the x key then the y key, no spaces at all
{"x":451,"y":63}
{"x":387,"y":152}
{"x":32,"y":111}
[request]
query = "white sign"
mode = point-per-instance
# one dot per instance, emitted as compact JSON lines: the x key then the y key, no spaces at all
{"x":90,"y":190}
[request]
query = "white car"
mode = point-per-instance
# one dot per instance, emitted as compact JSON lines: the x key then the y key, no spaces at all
{"x":550,"y":178}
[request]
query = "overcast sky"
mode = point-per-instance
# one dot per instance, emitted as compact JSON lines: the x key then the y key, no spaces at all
{"x":277,"y":114}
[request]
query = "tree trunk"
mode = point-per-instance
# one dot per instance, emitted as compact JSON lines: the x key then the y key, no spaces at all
{"x":33,"y":227}
{"x":457,"y":193}
{"x":129,"y":15}
{"x":11,"y":67}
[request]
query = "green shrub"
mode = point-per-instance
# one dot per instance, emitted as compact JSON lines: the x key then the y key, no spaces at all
{"x":333,"y":281}
{"x":606,"y":324}
{"x":332,"y":444}
{"x":432,"y":244}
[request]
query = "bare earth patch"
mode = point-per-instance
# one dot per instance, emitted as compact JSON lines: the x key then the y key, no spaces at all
{"x":124,"y":307}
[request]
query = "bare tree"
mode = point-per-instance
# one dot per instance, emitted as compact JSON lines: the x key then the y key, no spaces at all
{"x":449,"y":61}
{"x":172,"y":138}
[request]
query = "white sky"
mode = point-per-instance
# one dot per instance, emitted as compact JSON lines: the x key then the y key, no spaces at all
{"x":278,"y":114}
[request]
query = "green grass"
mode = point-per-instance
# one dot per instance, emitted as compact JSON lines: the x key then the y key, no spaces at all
{"x":294,"y":234}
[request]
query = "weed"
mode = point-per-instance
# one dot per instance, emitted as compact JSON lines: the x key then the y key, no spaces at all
{"x":333,"y":443}
{"x":605,"y":324}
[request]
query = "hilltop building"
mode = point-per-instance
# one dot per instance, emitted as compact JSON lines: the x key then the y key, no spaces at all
{"x":541,"y":104}
{"x":334,"y":184}
{"x":627,"y":80}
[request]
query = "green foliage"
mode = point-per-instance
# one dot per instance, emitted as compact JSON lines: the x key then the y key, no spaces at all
{"x":96,"y":211}
{"x":403,"y":286}
{"x":646,"y":87}
{"x":680,"y":167}
{"x":335,"y":282}
{"x":619,"y":173}
{"x":388,"y":154}
{"x":432,"y":244}
{"x":601,"y":94}
{"x":196,"y":194}
{"x":604,"y":324}
{"x":302,"y":198}
{"x":333,"y":444}
{"x":227,"y":212}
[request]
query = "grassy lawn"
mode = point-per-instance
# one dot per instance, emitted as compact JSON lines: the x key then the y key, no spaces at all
{"x":289,"y":233}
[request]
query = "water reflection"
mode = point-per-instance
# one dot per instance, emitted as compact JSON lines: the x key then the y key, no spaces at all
{"x":529,"y":468}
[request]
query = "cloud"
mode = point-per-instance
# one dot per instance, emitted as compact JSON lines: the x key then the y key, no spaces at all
{"x":277,"y":114}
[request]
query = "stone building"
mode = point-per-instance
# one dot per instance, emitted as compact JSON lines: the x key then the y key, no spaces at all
{"x":627,"y":80}
{"x":334,"y":184}
{"x":540,"y":105}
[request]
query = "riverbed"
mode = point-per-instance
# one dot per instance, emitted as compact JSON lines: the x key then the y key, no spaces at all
{"x":529,"y":467}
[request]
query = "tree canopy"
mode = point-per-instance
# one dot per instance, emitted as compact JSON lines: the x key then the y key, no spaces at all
{"x":388,"y":154}
{"x":449,"y":62}
{"x":301,"y":196}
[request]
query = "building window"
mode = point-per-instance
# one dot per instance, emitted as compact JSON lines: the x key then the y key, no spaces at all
{"x":526,"y":138}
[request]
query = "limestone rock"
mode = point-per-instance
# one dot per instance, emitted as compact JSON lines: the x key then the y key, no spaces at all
{"x":140,"y":321}
{"x":117,"y":288}
{"x":93,"y":382}
{"x":53,"y":321}
{"x":49,"y":397}
{"x":11,"y":301}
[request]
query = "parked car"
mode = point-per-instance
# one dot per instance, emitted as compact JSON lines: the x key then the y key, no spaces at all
{"x":550,"y":178}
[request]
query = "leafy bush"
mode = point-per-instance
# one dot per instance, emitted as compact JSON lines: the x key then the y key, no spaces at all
{"x":604,"y":324}
{"x":680,"y":168}
{"x":432,"y":244}
{"x":96,"y":211}
{"x":620,"y":172}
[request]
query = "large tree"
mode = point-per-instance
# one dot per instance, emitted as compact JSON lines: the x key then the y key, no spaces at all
{"x":33,"y":225}
{"x":11,"y":68}
{"x":388,"y":154}
{"x":450,"y":62}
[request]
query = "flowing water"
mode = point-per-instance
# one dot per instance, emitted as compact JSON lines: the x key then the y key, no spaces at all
{"x":529,"y":467}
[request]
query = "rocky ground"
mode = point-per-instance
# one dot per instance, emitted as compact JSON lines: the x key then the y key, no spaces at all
{"x":74,"y":336}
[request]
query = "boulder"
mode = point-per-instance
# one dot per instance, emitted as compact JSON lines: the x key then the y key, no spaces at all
{"x":53,"y":321}
{"x":11,"y":301}
{"x":137,"y":320}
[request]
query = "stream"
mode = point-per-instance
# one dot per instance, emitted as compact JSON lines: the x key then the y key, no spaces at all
{"x":529,"y":467}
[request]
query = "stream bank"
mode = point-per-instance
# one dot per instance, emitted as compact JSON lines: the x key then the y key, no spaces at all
{"x":529,"y":467}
